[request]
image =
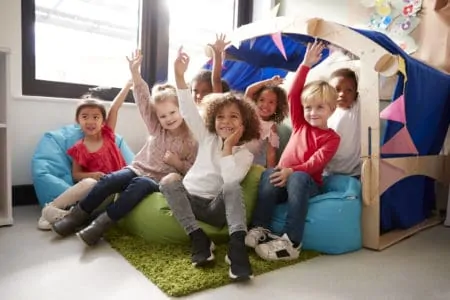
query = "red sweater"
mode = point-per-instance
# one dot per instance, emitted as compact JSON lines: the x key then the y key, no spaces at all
{"x":309,"y":148}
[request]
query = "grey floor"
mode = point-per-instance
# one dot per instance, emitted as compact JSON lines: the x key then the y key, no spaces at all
{"x":34,"y":265}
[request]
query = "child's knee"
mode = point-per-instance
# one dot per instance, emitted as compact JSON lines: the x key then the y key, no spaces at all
{"x":88,"y":182}
{"x":170,"y":178}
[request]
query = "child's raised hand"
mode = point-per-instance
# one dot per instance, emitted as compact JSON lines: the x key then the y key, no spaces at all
{"x":276,"y":80}
{"x":181,"y":62}
{"x":234,"y":138}
{"x":220,"y":44}
{"x":313,"y":53}
{"x":134,"y":62}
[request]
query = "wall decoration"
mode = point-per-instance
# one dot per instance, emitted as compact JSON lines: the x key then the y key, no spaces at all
{"x":395,"y":18}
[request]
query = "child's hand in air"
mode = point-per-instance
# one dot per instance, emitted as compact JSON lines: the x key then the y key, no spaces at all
{"x":97,"y":175}
{"x":219,"y":46}
{"x":234,"y":138}
{"x":276,"y":80}
{"x":171,"y":158}
{"x":280,"y":176}
{"x":134,"y":62}
{"x":313,"y":53}
{"x":181,"y":62}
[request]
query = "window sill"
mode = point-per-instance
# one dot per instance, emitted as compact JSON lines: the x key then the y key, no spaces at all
{"x":60,"y":100}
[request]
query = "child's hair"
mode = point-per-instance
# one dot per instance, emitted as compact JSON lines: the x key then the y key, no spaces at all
{"x":206,"y":76}
{"x":250,"y":119}
{"x":346,"y":73}
{"x":163,"y":92}
{"x":282,"y":109}
{"x":90,"y":103}
{"x":319,"y":90}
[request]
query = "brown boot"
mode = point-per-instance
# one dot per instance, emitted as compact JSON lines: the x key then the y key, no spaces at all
{"x":71,"y":222}
{"x":94,"y":232}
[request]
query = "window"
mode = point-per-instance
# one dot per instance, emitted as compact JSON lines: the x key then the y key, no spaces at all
{"x":194,"y":30}
{"x":69,"y":46}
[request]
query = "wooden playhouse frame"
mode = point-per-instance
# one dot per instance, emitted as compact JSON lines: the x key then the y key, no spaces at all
{"x":374,"y":60}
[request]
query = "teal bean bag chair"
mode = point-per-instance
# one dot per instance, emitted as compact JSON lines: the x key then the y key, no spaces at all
{"x":51,"y":167}
{"x":152,"y":219}
{"x":333,"y":223}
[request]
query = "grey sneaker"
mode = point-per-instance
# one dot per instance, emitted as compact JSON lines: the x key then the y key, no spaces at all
{"x":278,"y":249}
{"x":257,"y":236}
{"x":52,"y":214}
{"x":43,"y":224}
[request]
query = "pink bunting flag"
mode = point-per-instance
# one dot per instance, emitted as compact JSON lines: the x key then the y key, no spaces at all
{"x":400,"y":143}
{"x":395,"y":111}
{"x":277,"y":39}
{"x":389,"y":175}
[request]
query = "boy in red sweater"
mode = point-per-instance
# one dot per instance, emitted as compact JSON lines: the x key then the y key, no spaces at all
{"x":299,"y":173}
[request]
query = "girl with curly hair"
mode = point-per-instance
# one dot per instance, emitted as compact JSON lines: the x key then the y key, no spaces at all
{"x":211,"y":191}
{"x":272,"y":104}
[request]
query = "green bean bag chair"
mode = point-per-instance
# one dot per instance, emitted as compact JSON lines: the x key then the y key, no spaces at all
{"x":152,"y":219}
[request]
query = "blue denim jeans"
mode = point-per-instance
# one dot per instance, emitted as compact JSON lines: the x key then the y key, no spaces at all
{"x":300,"y":187}
{"x":132,"y":189}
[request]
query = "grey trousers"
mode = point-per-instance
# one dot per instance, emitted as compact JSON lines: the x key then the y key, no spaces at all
{"x":227,"y":207}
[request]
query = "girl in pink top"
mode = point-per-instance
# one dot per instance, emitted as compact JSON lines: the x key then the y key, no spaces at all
{"x":95,"y":155}
{"x":271,"y":101}
{"x":170,"y":148}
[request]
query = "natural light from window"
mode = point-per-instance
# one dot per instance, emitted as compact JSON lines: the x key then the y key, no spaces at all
{"x":193,"y":24}
{"x":85,"y":42}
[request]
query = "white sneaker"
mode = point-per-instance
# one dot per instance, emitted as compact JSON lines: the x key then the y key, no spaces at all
{"x":256,"y":236}
{"x":278,"y":249}
{"x":43,"y":224}
{"x":52,"y":214}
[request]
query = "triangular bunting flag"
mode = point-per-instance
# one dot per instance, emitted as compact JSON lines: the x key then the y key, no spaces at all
{"x":389,"y":175}
{"x":400,"y":143}
{"x":252,"y":42}
{"x":395,"y":111}
{"x":277,"y":39}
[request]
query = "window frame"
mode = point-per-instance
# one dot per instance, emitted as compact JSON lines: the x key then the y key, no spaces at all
{"x":154,"y":40}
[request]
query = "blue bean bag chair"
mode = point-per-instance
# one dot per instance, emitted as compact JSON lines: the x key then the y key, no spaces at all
{"x":51,"y":167}
{"x":333,"y":223}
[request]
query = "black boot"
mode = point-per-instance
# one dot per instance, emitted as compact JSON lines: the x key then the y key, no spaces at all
{"x":71,"y":222}
{"x":202,"y":248}
{"x":94,"y":232}
{"x":237,"y":257}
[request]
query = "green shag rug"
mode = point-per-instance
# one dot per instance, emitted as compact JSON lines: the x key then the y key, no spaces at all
{"x":169,"y":266}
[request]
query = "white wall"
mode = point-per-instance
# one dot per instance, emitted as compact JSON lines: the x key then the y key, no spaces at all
{"x":346,"y":12}
{"x":30,"y":117}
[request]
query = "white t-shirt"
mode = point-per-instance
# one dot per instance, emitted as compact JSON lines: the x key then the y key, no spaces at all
{"x":347,"y":123}
{"x":210,"y":170}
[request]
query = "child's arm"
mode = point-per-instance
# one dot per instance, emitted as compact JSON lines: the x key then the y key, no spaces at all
{"x":78,"y":174}
{"x":218,"y":48}
{"x":272,"y":146}
{"x":253,"y":88}
{"x":188,"y":109}
{"x":141,"y":93}
{"x":319,"y":160}
{"x":312,"y":56}
{"x":111,"y":119}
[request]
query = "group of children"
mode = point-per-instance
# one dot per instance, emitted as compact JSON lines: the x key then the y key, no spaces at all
{"x":203,"y":140}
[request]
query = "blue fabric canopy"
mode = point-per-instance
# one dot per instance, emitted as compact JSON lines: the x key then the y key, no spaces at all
{"x":427,"y":100}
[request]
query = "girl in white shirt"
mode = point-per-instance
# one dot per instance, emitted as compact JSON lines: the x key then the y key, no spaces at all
{"x":346,"y":121}
{"x":272,"y":108}
{"x":210,"y":190}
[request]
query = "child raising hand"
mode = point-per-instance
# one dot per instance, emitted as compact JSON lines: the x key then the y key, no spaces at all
{"x":211,"y":190}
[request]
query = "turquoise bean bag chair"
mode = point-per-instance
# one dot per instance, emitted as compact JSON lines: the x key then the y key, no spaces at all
{"x":333,"y":223}
{"x":51,"y":167}
{"x":152,"y":218}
